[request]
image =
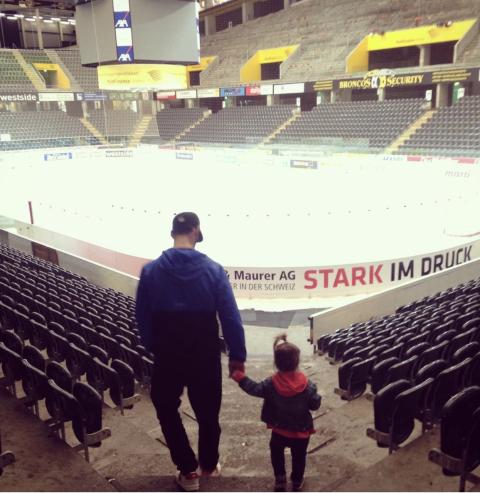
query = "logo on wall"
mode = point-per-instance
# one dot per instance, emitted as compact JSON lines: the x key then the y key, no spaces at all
{"x":122,"y":20}
{"x":123,"y":31}
{"x":125,"y":54}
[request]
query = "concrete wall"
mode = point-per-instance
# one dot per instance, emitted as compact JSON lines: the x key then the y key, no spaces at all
{"x":465,"y":42}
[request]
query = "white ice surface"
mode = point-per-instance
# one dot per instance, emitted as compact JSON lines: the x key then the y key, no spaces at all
{"x":250,"y":216}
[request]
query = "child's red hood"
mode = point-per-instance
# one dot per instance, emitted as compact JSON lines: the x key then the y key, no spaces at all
{"x":289,"y":383}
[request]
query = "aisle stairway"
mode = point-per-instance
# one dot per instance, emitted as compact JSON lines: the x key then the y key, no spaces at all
{"x":135,"y":458}
{"x":416,"y":125}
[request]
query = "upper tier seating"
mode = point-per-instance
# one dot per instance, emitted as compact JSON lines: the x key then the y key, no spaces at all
{"x":12,"y":76}
{"x":85,"y":76}
{"x":452,"y":131}
{"x":361,"y":124}
{"x":327,"y":30}
{"x":35,"y":56}
{"x":34,"y":129}
{"x":240,"y":125}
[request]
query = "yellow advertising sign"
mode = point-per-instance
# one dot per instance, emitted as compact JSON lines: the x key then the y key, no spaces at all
{"x":205,"y":61}
{"x":61,"y":81}
{"x":252,"y":70}
{"x":145,"y":76}
{"x":357,"y":61}
{"x":422,"y":35}
{"x":274,"y":55}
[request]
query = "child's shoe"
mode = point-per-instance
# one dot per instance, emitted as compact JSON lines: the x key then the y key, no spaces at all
{"x":280,"y":483}
{"x":188,"y":482}
{"x":297,"y":485}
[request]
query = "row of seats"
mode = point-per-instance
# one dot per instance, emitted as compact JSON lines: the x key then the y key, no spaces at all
{"x":419,"y":362}
{"x":68,"y":342}
{"x":12,"y":75}
{"x":452,"y":131}
{"x":241,"y":124}
{"x":170,"y":122}
{"x":377,"y":123}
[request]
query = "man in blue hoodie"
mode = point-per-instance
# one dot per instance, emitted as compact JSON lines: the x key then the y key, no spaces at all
{"x":179,"y":297}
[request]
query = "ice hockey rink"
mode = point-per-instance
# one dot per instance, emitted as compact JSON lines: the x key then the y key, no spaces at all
{"x":253,"y":214}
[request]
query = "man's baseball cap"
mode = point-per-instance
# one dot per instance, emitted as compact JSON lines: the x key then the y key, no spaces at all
{"x":184,"y":222}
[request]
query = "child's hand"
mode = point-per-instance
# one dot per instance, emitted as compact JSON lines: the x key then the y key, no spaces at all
{"x":234,"y":365}
{"x":238,"y":376}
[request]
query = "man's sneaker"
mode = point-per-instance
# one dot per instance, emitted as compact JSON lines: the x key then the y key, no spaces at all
{"x":280,"y":483}
{"x":188,"y":482}
{"x":297,"y":485}
{"x":212,"y":474}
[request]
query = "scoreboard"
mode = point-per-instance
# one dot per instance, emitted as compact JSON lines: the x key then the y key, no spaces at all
{"x":138,"y":31}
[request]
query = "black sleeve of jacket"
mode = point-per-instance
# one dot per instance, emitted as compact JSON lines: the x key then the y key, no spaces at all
{"x":314,"y":399}
{"x":254,"y":388}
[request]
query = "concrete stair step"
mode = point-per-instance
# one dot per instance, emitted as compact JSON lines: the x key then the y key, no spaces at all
{"x":408,"y":469}
{"x":43,"y":463}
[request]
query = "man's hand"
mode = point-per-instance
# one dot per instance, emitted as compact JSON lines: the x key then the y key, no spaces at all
{"x":234,"y":365}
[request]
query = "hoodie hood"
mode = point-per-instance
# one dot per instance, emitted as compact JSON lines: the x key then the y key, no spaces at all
{"x":289,"y":383}
{"x":183,"y":264}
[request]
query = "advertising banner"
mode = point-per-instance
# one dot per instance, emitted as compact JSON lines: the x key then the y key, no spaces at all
{"x":142,"y":76}
{"x":91,"y":96}
{"x":377,"y":79}
{"x":165,"y":95}
{"x":119,"y":153}
{"x":57,"y":156}
{"x":56,"y":96}
{"x":184,"y":155}
{"x":259,"y":90}
{"x":319,"y":85}
{"x":289,"y":88}
{"x":232,"y":91}
{"x":189,"y":94}
{"x":344,"y":280}
{"x":454,"y":75}
{"x":300,"y":163}
{"x":208,"y":93}
{"x":18,"y":97}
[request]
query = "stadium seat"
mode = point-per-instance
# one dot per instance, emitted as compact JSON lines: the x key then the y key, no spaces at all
{"x":459,"y":436}
{"x":395,"y":409}
{"x":84,"y":409}
{"x":353,"y":377}
{"x":380,"y":373}
{"x":446,"y":384}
